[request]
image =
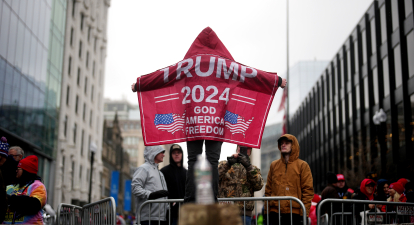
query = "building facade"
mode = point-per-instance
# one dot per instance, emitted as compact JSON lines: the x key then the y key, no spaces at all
{"x":81,"y":109}
{"x":130,"y":125}
{"x":31,"y":55}
{"x":373,"y":70}
{"x":115,"y":158}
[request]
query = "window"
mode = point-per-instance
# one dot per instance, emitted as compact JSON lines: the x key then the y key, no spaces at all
{"x":93,"y":69}
{"x":73,"y":7}
{"x":357,"y":98}
{"x":65,"y":125}
{"x":84,"y":111}
{"x":67,"y":95}
{"x":73,"y":175}
{"x":69,"y":65}
{"x":343,"y":113}
{"x":408,"y":7}
{"x":375,"y":85}
{"x":86,"y":85}
{"x":373,"y":36}
{"x":385,"y":68}
{"x":82,"y":139}
{"x":401,"y":128}
{"x":80,"y":49}
{"x":94,"y":44}
{"x":410,"y":52}
{"x":71,"y":36}
{"x":74,"y":132}
{"x":80,"y":175}
{"x":79,"y":75}
{"x":397,"y":64}
{"x":383,"y":24}
{"x":364,"y":47}
{"x":348,"y":59}
{"x":394,"y":9}
{"x":82,"y":20}
{"x":356,"y":56}
{"x":89,"y":33}
{"x":87,"y":59}
{"x":350,"y":106}
{"x":341,"y":64}
{"x":366,"y":93}
{"x":92,"y":93}
{"x":76,"y":105}
{"x":90,"y":118}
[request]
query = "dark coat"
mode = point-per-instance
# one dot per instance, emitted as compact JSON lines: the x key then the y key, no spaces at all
{"x":175,"y":178}
{"x":3,"y":199}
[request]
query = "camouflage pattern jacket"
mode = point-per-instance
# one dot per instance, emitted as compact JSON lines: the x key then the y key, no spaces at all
{"x":235,"y":181}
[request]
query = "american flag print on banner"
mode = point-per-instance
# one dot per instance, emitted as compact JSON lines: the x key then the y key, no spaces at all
{"x":236,"y":123}
{"x":169,"y":122}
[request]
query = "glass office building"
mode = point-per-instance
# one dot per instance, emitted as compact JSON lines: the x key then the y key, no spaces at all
{"x":31,"y":51}
{"x":373,"y":70}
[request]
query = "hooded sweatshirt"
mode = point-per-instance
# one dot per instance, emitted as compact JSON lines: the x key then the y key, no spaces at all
{"x":175,"y":177}
{"x":147,"y":179}
{"x":290,"y":179}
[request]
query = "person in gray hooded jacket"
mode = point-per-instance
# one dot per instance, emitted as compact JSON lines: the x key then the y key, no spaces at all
{"x":149,"y":183}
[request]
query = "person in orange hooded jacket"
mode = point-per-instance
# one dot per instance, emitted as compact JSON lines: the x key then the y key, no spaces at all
{"x":289,"y":176}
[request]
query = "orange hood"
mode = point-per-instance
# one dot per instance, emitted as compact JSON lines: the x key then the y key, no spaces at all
{"x":295,"y":147}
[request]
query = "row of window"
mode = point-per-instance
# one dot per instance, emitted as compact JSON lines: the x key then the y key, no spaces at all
{"x":363,"y":77}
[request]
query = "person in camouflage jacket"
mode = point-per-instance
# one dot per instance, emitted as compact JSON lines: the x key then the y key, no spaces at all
{"x":238,"y":178}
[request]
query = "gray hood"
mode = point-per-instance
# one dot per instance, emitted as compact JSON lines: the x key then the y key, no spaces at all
{"x":150,"y":152}
{"x":146,"y":180}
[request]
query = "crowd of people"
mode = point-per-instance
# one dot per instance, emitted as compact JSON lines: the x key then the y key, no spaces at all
{"x":371,"y":188}
{"x":236,"y":177}
{"x":22,"y":193}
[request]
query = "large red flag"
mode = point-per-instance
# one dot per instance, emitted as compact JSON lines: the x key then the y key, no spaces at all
{"x":207,"y":95}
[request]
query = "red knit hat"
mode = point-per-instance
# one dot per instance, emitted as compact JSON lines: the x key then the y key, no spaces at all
{"x":398,"y":187}
{"x":316,"y":198}
{"x":403,"y":181}
{"x":30,"y":164}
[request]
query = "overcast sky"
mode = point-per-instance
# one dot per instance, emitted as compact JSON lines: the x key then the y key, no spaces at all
{"x":144,"y":36}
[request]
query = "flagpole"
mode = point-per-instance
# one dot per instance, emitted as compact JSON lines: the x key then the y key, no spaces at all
{"x":287,"y":65}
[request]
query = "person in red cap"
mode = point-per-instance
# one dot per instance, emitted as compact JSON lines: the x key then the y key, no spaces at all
{"x":343,"y":189}
{"x":396,"y":191}
{"x":312,"y":214}
{"x":28,"y":196}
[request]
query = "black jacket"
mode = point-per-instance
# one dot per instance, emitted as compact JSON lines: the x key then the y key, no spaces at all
{"x":175,"y":177}
{"x":3,"y":199}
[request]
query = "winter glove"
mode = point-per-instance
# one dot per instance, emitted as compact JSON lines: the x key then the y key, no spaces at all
{"x":231,"y":160}
{"x":24,"y":204}
{"x":244,"y":160}
{"x":158,"y":194}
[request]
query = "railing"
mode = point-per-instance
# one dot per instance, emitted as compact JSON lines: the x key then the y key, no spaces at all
{"x":394,"y":211}
{"x":68,"y":214}
{"x":266,"y":199}
{"x":100,"y":212}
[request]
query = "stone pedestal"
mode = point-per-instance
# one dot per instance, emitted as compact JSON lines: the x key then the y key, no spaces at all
{"x":192,"y":214}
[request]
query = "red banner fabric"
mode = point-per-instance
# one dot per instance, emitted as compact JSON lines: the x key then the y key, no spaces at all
{"x":206,"y":96}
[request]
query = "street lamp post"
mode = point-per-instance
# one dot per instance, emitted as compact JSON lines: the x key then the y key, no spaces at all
{"x":379,"y":118}
{"x":93,"y":149}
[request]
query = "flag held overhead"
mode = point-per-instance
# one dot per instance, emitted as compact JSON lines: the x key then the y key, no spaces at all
{"x":207,"y":95}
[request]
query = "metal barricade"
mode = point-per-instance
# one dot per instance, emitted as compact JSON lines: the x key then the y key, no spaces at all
{"x":100,"y":212}
{"x":96,"y":213}
{"x":68,"y":214}
{"x":394,"y":212}
{"x":266,"y":199}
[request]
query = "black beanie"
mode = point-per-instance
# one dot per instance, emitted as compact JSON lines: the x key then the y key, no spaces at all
{"x":331,"y":178}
